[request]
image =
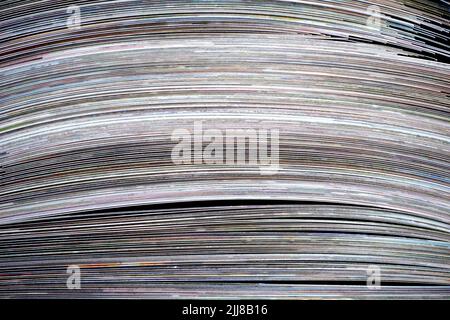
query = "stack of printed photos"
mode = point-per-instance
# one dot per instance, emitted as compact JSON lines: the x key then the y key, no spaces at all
{"x":225,"y":149}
